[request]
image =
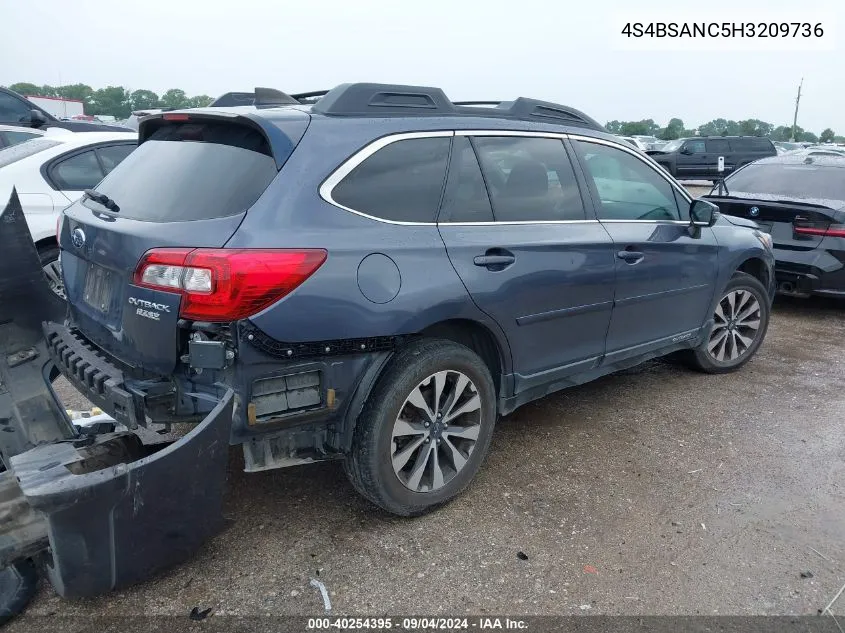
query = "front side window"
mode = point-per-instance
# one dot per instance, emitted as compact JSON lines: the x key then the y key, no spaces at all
{"x":627,"y":188}
{"x":13,"y":109}
{"x":529,"y":179}
{"x":695,"y":147}
{"x":402,"y":181}
{"x":79,"y":172}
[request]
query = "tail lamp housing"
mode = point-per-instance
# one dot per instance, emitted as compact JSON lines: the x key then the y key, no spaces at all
{"x":219,"y":285}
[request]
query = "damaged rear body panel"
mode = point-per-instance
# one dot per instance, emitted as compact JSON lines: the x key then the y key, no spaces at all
{"x":105,"y":507}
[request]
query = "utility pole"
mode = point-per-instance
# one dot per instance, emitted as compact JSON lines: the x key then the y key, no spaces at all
{"x":795,"y":118}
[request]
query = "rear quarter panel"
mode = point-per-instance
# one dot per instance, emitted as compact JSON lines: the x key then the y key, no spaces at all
{"x":409,"y":264}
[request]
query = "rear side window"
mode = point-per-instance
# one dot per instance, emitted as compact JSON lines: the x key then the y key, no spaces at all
{"x":465,"y":199}
{"x":402,"y":181}
{"x":191,"y":171}
{"x":719,"y":146}
{"x":112,"y":155}
{"x":696,"y":147}
{"x":529,"y":179}
{"x":20,"y":151}
{"x":76,"y":173}
{"x":761,"y":145}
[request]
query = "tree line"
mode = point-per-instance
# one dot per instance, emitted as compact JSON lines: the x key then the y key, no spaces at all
{"x":721,"y":127}
{"x":115,"y":101}
{"x":120,"y":102}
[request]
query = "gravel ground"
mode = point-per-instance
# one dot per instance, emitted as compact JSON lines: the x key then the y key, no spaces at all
{"x":657,"y":490}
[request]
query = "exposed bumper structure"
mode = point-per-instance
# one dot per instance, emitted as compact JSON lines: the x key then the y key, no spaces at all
{"x":104,"y":510}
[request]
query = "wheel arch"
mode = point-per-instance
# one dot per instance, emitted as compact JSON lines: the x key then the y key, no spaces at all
{"x":757,"y":268}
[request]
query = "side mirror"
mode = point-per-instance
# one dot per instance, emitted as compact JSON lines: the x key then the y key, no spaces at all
{"x":37,"y":118}
{"x":703,"y":213}
{"x":686,"y":151}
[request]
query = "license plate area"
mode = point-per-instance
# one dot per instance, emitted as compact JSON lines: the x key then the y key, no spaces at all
{"x":99,"y":285}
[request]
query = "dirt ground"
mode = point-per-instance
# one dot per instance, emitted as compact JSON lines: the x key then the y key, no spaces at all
{"x":654,"y":491}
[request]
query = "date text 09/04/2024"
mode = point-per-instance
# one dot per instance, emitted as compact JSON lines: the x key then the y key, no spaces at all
{"x":416,"y":624}
{"x":715,"y":30}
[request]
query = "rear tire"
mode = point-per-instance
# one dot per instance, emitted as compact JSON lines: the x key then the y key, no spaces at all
{"x":413,"y":451}
{"x":741,"y":318}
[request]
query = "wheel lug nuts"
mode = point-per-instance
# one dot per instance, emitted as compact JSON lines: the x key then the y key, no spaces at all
{"x":427,"y":440}
{"x":427,"y":424}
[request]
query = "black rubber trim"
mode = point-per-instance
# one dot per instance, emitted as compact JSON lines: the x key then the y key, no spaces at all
{"x":18,"y":584}
{"x":338,"y":347}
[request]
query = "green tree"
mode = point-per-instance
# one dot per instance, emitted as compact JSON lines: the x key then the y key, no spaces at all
{"x":174,"y":98}
{"x":200,"y":101}
{"x":24,"y":88}
{"x":807,"y":137}
{"x":827,"y":136}
{"x":112,"y":100}
{"x":78,"y":92}
{"x":614,"y":127}
{"x":646,"y":127}
{"x":675,"y":129}
{"x":143,"y":100}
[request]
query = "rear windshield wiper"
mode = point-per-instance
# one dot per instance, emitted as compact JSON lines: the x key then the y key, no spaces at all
{"x":103,"y":199}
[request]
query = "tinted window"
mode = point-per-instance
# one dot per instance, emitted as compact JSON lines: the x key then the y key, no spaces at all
{"x":718,"y":146}
{"x":112,"y":155}
{"x":529,"y":179}
{"x":182,"y":180}
{"x":18,"y":152}
{"x":696,"y":147}
{"x":761,"y":145}
{"x":466,"y":198}
{"x":13,"y":138}
{"x":403,"y":181}
{"x":13,"y":109}
{"x":81,"y":171}
{"x":790,"y":181}
{"x":627,"y":188}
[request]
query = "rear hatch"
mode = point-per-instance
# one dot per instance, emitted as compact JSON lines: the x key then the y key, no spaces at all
{"x":188,"y":185}
{"x":796,"y":201}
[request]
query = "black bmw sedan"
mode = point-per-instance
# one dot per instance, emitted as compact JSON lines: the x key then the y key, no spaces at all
{"x":799,"y":198}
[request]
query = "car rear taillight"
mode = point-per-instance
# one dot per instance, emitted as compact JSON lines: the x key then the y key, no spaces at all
{"x":834,"y":230}
{"x":219,"y":284}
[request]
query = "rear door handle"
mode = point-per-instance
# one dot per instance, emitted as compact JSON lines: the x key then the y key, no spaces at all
{"x":630,"y":257}
{"x":494,"y":260}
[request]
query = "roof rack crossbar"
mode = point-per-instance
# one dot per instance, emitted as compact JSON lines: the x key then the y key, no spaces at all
{"x":310,"y":97}
{"x":379,"y":100}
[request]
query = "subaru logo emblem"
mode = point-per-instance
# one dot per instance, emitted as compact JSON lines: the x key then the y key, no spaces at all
{"x":77,"y":236}
{"x":755,"y":211}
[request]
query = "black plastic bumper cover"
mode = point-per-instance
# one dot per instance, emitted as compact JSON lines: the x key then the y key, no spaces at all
{"x":114,"y":509}
{"x":115,"y":526}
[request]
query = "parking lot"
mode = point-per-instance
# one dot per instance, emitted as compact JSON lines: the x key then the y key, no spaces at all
{"x":654,"y":491}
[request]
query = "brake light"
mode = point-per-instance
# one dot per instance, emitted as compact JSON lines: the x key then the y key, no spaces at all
{"x":176,"y":117}
{"x":834,"y":230}
{"x":219,"y":284}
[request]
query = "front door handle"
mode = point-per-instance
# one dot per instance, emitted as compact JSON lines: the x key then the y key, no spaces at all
{"x":494,"y":260}
{"x":630,"y":257}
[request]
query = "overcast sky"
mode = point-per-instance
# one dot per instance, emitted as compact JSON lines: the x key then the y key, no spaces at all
{"x":570,"y":52}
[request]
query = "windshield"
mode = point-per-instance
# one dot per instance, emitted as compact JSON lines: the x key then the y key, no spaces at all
{"x":24,"y":150}
{"x":790,"y":181}
{"x":673,"y":146}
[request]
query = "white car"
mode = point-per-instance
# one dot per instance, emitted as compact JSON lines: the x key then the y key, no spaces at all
{"x":13,"y":134}
{"x":52,"y":171}
{"x":633,"y":142}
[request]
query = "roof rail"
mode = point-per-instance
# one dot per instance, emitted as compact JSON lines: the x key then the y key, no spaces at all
{"x":260,"y":97}
{"x":310,"y":97}
{"x":381,"y":100}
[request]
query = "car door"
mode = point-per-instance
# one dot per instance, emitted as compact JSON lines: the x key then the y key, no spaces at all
{"x":516,"y":231}
{"x":720,"y":147}
{"x":665,"y":276}
{"x":692,"y":159}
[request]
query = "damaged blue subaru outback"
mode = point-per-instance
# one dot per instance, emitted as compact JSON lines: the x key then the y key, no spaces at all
{"x":374,"y":277}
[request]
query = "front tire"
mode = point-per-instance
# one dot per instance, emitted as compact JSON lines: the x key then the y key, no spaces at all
{"x":425,"y":428}
{"x":741,"y":318}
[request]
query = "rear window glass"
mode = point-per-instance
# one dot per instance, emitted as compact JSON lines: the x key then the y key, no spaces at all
{"x":401,"y":182}
{"x":25,"y":150}
{"x":790,"y":181}
{"x":191,"y":172}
